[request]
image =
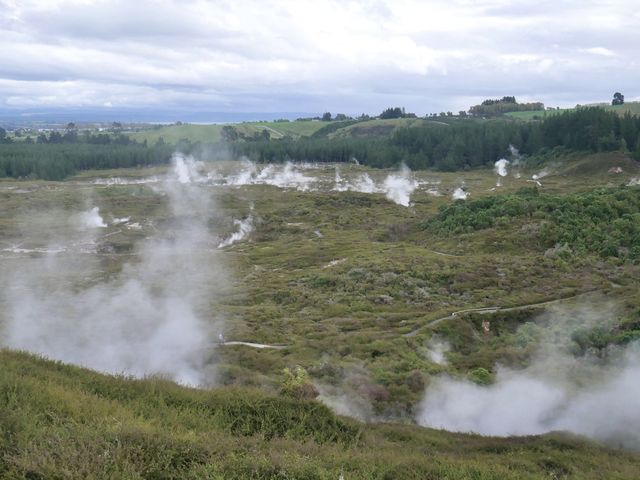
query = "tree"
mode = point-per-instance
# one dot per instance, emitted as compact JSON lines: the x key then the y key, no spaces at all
{"x":618,"y":99}
{"x":341,"y":117}
{"x":395,"y":112}
{"x":3,"y":134}
{"x":326,"y":117}
{"x":229,"y":134}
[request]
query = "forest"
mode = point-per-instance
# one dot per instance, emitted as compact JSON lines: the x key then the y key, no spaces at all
{"x":448,"y":145}
{"x":457,"y":144}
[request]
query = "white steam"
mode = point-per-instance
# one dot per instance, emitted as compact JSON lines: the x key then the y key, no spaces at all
{"x":245,"y":227}
{"x":147,"y":319}
{"x":515,"y":155}
{"x":500,"y":167}
{"x":91,"y":219}
{"x":288,"y":176}
{"x":535,"y":178}
{"x":528,"y":403}
{"x":125,"y":181}
{"x":460,"y":194}
{"x":437,"y":350}
{"x":595,"y":394}
{"x":397,"y":187}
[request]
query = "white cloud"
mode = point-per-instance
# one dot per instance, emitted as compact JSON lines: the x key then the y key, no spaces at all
{"x":605,"y":52}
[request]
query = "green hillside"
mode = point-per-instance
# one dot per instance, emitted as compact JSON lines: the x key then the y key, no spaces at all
{"x":59,"y":421}
{"x":212,"y":133}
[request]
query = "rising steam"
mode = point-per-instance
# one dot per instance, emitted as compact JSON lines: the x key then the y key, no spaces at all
{"x":397,"y":187}
{"x":147,"y":319}
{"x":584,"y":395}
{"x":500,"y":167}
{"x":460,"y":194}
{"x":244,"y":228}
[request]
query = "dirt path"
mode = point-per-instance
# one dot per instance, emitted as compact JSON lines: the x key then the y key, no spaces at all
{"x":483,"y":310}
{"x":255,"y":345}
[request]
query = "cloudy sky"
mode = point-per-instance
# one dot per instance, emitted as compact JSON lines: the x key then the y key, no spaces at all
{"x":312,"y":56}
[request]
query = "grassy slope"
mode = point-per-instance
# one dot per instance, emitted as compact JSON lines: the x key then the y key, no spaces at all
{"x":375,"y":127}
{"x":211,"y":133}
{"x":60,"y":421}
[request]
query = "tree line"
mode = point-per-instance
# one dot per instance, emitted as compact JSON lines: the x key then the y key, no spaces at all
{"x":459,"y":143}
{"x":55,"y":161}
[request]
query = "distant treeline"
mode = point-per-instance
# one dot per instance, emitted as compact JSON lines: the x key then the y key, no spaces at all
{"x":492,"y":108}
{"x":460,"y":143}
{"x":55,"y":161}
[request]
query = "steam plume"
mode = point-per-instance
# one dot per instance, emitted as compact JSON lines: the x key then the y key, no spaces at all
{"x":587,"y":395}
{"x":501,"y":167}
{"x":148,"y":319}
{"x":460,"y":194}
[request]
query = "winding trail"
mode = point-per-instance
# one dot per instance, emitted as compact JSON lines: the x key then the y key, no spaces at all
{"x":254,"y":345}
{"x":483,"y":310}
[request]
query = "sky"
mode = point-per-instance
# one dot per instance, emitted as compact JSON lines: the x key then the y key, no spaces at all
{"x":346,"y":56}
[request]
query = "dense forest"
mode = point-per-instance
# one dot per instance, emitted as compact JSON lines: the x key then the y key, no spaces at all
{"x":459,"y":143}
{"x":56,"y":161}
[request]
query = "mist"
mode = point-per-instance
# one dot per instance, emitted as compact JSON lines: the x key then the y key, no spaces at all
{"x":592,"y":395}
{"x":153,"y":317}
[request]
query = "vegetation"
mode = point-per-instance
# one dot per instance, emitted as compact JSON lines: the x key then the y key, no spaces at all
{"x":459,"y":144}
{"x":605,"y":222}
{"x":492,"y":108}
{"x":356,"y":308}
{"x":59,"y":421}
{"x":56,"y":161}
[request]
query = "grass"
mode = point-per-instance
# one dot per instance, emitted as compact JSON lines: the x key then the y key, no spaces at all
{"x":376,"y":127}
{"x":59,"y":421}
{"x":212,"y":133}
